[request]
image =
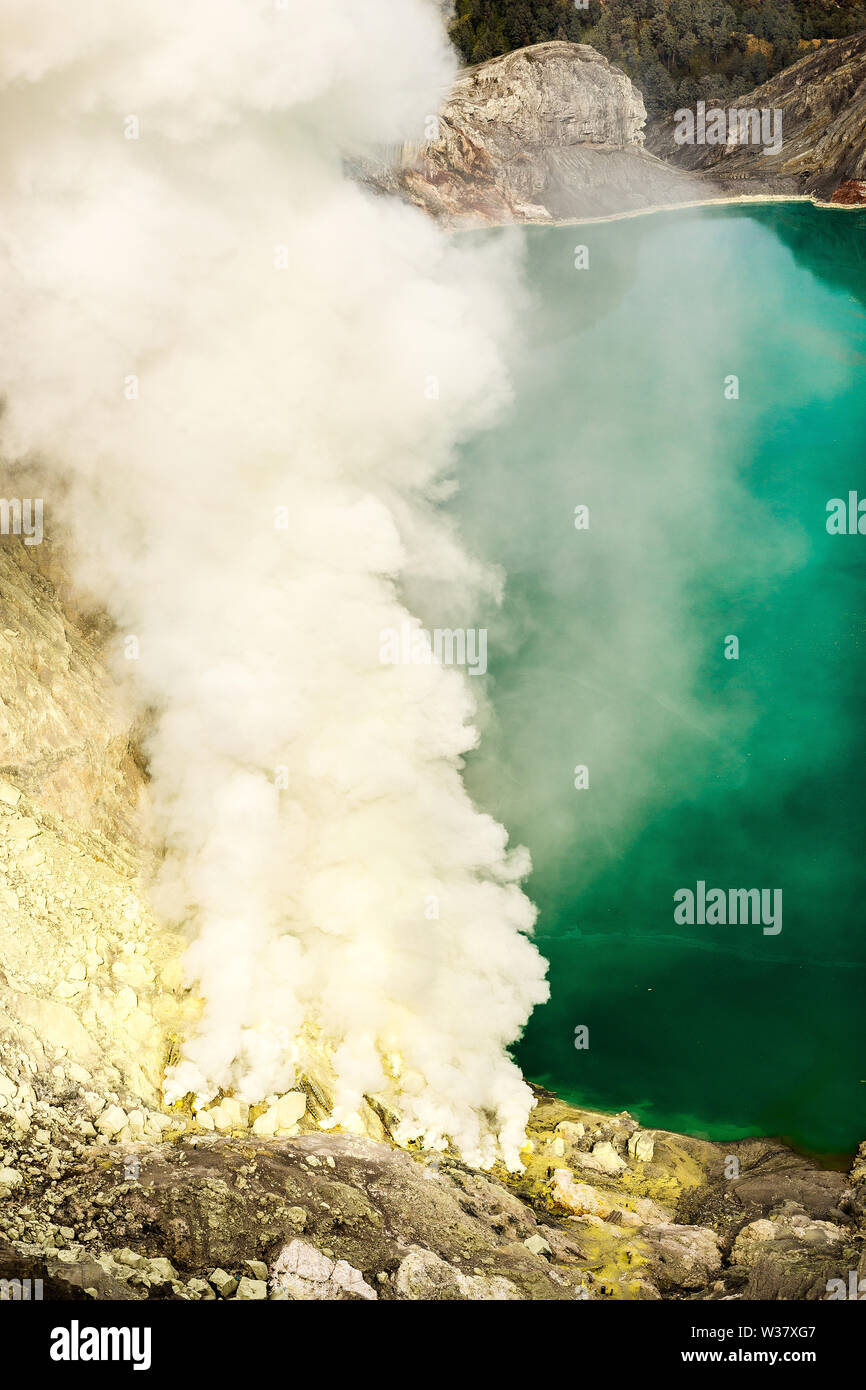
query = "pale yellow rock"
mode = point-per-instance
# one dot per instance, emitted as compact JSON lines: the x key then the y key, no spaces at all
{"x":72,"y":855}
{"x":139,"y":1025}
{"x":235,"y":1110}
{"x":55,"y":1023}
{"x":111,"y":1121}
{"x":266,"y":1124}
{"x":603,"y":1159}
{"x":161,"y":1122}
{"x":9,"y":795}
{"x":22,"y":828}
{"x":569,"y":1131}
{"x":580,"y":1197}
{"x":229,"y":1114}
{"x":291,"y":1108}
{"x":249,"y":1289}
{"x":32,"y":859}
{"x":164,"y":1007}
{"x":136,"y":973}
{"x":537,"y":1245}
{"x":641,"y":1146}
{"x":125,"y":1001}
{"x":172,"y":974}
{"x":224,"y":1283}
{"x":630,"y":1218}
{"x":68,"y":989}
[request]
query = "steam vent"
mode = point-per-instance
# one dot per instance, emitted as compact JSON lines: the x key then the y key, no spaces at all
{"x":431,"y":669}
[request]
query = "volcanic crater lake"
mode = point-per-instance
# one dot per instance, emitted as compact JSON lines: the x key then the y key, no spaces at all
{"x":699,"y":390}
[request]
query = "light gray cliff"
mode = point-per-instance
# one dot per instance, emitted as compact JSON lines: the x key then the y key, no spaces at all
{"x":549,"y":132}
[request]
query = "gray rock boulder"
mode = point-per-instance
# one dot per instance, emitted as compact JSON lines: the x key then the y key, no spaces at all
{"x":303,"y":1272}
{"x":682,"y":1257}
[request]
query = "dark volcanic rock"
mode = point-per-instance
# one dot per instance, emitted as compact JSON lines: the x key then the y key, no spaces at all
{"x":219,"y":1203}
{"x":604,"y":1209}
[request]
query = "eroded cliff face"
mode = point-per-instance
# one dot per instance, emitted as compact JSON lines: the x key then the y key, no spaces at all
{"x":553,"y":131}
{"x":822,"y":153}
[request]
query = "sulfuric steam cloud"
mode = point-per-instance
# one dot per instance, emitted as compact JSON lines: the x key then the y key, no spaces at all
{"x":252,"y":376}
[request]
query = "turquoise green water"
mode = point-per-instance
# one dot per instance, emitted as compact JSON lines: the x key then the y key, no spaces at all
{"x":706,"y":520}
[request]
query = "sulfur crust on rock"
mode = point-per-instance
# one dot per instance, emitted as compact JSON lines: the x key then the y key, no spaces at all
{"x":106,"y":1193}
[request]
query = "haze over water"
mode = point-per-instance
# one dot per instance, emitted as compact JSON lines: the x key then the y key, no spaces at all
{"x":707,"y":519}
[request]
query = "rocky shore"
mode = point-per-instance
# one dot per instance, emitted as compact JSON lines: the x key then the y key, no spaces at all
{"x":604,"y":1210}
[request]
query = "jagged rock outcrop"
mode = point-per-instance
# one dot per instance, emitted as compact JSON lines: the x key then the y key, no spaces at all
{"x":552,"y":131}
{"x":823,"y":148}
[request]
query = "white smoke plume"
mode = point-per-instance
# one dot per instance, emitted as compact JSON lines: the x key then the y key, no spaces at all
{"x":225,"y":347}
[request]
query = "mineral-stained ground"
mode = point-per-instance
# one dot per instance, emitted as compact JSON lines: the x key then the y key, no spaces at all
{"x":105,"y":1193}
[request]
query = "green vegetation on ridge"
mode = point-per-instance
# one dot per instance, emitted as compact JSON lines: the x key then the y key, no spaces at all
{"x":676,"y":51}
